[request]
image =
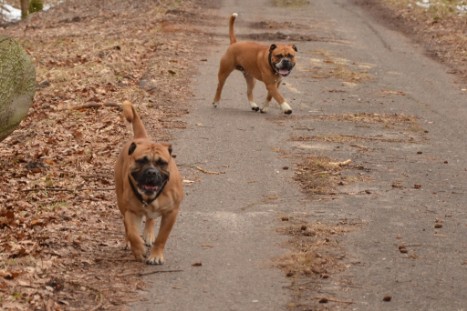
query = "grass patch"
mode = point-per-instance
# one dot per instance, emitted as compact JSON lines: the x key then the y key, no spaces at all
{"x":315,"y":254}
{"x":364,"y":117}
{"x":311,"y":243}
{"x":391,"y":121}
{"x":290,"y":3}
{"x":328,"y":66}
{"x":319,"y":175}
{"x":338,"y":138}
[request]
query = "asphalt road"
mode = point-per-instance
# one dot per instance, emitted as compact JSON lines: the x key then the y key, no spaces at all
{"x":414,"y":194}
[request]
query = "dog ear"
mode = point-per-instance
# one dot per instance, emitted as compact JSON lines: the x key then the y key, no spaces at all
{"x":295,"y":48}
{"x":169,"y":147}
{"x":272,"y":47}
{"x":132,"y":148}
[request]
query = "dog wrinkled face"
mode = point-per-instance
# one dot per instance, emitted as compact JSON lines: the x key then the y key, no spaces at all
{"x":283,"y":58}
{"x":150,"y":168}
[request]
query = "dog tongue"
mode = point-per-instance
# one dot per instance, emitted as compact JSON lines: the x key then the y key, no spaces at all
{"x":283,"y":72}
{"x":150,"y":188}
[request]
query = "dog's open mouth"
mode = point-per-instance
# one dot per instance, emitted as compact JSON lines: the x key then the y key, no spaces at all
{"x":153,"y":186}
{"x":149,"y":182}
{"x":150,"y":188}
{"x":284,"y":72}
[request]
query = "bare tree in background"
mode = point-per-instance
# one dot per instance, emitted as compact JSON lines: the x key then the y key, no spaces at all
{"x":24,"y":8}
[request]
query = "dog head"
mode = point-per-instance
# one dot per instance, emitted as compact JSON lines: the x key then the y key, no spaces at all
{"x":149,"y":167}
{"x":282,"y":58}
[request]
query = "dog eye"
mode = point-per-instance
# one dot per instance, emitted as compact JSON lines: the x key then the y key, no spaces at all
{"x":142,"y":161}
{"x":161,"y":163}
{"x":290,"y":56}
{"x":279,"y":55}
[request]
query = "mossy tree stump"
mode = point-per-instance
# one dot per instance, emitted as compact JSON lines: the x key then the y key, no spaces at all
{"x":17,"y":85}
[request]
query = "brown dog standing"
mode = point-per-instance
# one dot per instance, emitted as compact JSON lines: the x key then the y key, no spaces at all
{"x":265,"y":63}
{"x":148,"y":185}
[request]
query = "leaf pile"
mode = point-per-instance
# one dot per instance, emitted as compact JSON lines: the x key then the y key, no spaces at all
{"x":61,"y":241}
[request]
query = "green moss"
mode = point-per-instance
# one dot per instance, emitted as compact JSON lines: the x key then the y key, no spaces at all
{"x":17,"y":85}
{"x":35,"y":6}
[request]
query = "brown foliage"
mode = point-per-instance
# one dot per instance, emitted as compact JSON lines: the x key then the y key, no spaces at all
{"x":61,"y":242}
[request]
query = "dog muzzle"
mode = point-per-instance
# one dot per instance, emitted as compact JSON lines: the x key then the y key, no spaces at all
{"x":152,"y":181}
{"x":284,"y":67}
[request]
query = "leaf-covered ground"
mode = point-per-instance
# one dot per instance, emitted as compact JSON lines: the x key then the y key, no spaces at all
{"x":61,"y":242}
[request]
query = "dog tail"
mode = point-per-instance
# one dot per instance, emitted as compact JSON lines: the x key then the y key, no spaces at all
{"x":132,"y":116}
{"x":233,"y":39}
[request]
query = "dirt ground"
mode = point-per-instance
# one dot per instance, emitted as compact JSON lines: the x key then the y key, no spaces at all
{"x":61,"y":235}
{"x":61,"y":243}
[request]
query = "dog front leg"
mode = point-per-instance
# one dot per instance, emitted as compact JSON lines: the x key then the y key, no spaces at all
{"x":157,"y":252}
{"x":273,"y":92}
{"x":132,"y":223}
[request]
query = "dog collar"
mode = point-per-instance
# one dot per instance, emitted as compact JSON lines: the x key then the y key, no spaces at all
{"x":274,"y":70}
{"x":140,"y":197}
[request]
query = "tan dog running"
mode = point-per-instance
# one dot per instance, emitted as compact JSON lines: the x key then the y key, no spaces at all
{"x":148,"y":185}
{"x":265,"y":63}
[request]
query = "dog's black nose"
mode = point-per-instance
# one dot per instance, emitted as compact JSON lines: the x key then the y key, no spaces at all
{"x":151,"y":172}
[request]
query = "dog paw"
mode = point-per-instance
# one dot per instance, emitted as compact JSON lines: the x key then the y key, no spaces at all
{"x":148,"y":241}
{"x":254,"y":106}
{"x":156,"y":260}
{"x":214,"y":104}
{"x":139,"y":255}
{"x":286,"y":108}
{"x":263,"y":110}
{"x":126,"y":245}
{"x":148,"y":237}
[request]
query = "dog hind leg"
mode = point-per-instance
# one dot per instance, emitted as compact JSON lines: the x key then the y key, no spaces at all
{"x":148,"y":233}
{"x":266,"y":103}
{"x":250,"y":83}
{"x":225,"y":69}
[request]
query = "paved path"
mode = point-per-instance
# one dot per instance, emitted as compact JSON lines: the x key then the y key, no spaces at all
{"x":229,"y":221}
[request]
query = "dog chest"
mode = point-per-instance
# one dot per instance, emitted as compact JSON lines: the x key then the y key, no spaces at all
{"x":157,"y":208}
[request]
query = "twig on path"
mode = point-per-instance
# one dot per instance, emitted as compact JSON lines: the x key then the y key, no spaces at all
{"x":340,"y":164}
{"x":65,"y":189}
{"x":325,"y":300}
{"x":91,"y":105}
{"x":151,"y":272}
{"x":208,"y":172}
{"x":99,"y":305}
{"x":158,"y":271}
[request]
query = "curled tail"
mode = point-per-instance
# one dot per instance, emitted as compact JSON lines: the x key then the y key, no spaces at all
{"x":233,"y":39}
{"x":132,"y":116}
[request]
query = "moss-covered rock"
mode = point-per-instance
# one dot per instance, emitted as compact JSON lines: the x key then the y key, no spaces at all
{"x":17,"y":85}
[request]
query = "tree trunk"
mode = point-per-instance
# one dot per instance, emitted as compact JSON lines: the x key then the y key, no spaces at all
{"x":17,"y":85}
{"x":24,"y":8}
